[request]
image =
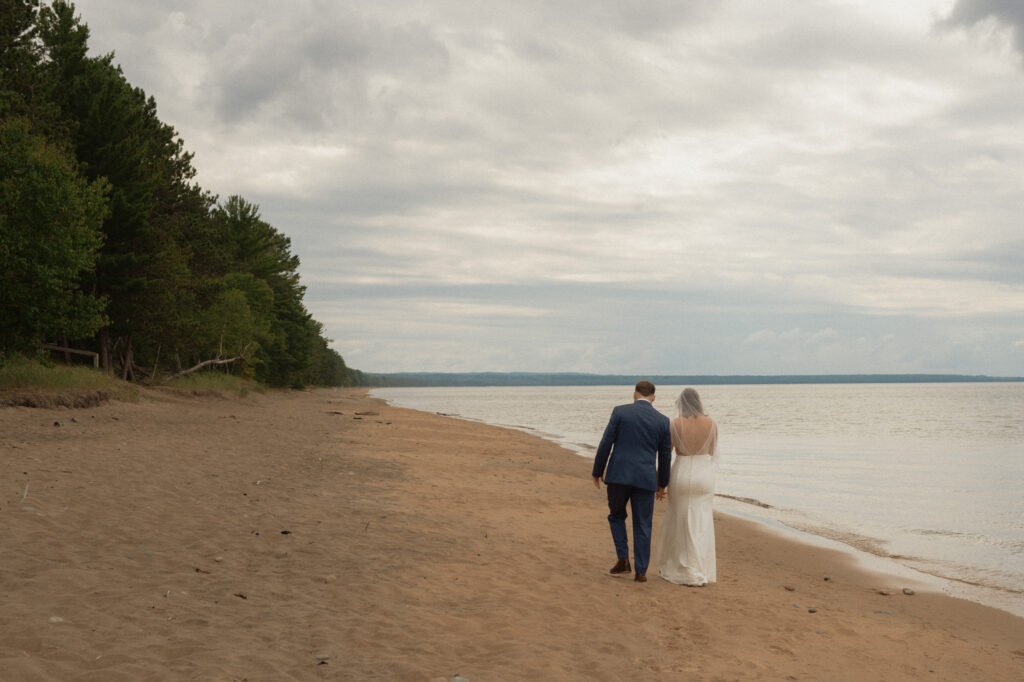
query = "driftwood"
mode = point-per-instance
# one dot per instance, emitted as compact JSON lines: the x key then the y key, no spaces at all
{"x":209,"y":363}
{"x":204,"y":363}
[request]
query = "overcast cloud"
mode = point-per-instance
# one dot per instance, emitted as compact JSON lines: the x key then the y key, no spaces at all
{"x":724,"y":187}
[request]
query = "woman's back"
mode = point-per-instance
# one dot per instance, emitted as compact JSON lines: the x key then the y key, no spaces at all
{"x":694,"y":435}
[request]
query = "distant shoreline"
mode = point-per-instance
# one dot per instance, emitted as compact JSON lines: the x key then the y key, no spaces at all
{"x":440,"y":379}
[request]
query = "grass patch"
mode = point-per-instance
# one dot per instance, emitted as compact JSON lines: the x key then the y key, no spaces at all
{"x":21,"y":373}
{"x":32,"y":383}
{"x":217,"y":382}
{"x":29,"y":382}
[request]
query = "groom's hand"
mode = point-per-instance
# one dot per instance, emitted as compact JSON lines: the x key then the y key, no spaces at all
{"x":597,"y":482}
{"x":660,"y":495}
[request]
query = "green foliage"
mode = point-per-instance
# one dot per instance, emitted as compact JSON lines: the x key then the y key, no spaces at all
{"x":256,"y":250}
{"x":230,"y":325}
{"x":108,"y":242}
{"x":50,"y":222}
{"x":329,"y":369}
{"x":17,"y":23}
{"x":20,"y":75}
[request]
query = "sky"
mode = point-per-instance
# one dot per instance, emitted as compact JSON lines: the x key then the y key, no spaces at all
{"x":612,"y":186}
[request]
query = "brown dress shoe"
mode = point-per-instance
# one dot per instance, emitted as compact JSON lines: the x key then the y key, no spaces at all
{"x":621,"y":566}
{"x":640,"y":578}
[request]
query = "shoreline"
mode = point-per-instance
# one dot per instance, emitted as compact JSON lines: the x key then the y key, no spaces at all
{"x":867,"y":549}
{"x":878,"y":562}
{"x":327,"y":535}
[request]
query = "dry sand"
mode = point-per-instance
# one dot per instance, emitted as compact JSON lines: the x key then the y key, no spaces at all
{"x":199,"y":538}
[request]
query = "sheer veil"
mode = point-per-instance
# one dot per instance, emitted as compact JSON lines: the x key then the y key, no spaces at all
{"x":688,"y":404}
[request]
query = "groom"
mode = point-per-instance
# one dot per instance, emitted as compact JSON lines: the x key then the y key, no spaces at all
{"x":638,"y":441}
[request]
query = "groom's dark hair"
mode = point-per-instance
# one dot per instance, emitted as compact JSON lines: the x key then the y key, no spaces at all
{"x":645,"y":388}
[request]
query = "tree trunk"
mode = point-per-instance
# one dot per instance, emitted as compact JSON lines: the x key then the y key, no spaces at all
{"x":126,"y":371}
{"x":156,"y":363}
{"x":105,"y":349}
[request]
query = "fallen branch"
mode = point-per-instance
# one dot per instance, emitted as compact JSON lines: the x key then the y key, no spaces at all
{"x":218,"y":360}
{"x":204,"y":363}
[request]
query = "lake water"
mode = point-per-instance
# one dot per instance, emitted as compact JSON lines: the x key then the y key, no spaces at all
{"x":928,"y":476}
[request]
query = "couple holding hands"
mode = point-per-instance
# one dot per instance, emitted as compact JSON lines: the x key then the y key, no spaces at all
{"x":634,"y":460}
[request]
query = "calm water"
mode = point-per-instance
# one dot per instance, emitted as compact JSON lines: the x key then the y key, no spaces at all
{"x":928,"y":475}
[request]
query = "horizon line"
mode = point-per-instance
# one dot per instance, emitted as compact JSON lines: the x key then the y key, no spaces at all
{"x":523,"y":378}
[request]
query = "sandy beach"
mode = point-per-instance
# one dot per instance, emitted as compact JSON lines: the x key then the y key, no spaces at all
{"x":323,"y":535}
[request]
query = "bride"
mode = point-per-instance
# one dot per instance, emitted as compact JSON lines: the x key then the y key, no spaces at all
{"x":684,"y":550}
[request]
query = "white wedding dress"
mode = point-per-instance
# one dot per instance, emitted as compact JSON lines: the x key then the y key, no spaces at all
{"x":684,"y":549}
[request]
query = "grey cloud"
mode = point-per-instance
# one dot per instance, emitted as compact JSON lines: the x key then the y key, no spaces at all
{"x":703,"y":170}
{"x":1000,"y":263}
{"x":1010,"y":13}
{"x":316,"y":64}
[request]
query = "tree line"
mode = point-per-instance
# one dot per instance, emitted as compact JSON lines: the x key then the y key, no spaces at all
{"x":108,"y":244}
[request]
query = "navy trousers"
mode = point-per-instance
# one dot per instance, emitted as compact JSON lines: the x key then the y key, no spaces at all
{"x":641,"y":503}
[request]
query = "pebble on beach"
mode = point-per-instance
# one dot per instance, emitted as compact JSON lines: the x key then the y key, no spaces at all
{"x":907,"y":591}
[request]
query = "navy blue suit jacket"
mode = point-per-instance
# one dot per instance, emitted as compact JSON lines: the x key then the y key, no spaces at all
{"x":636,"y":447}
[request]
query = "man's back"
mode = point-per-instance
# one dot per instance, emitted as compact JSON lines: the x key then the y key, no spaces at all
{"x":636,"y":446}
{"x":633,"y":459}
